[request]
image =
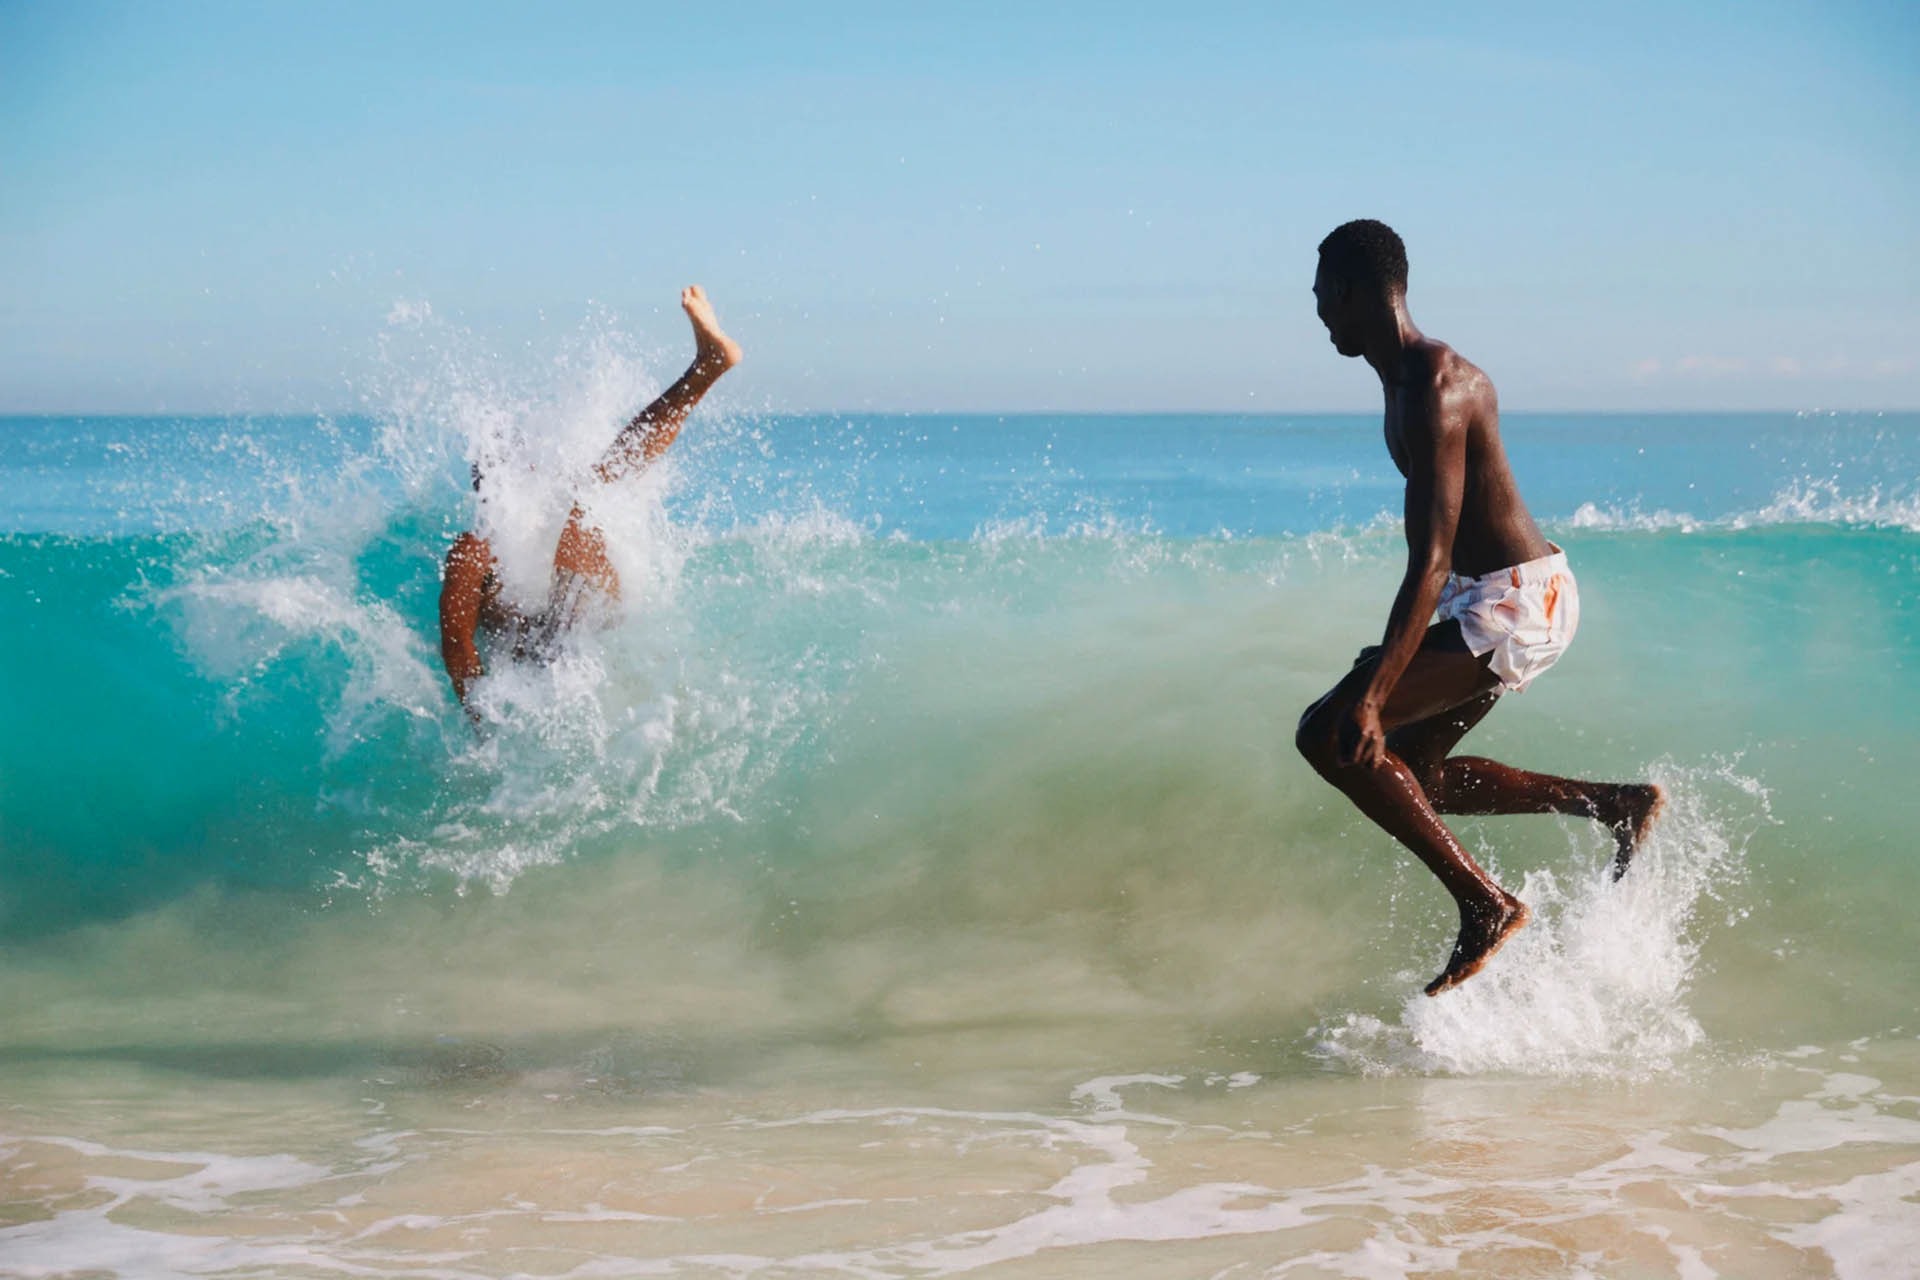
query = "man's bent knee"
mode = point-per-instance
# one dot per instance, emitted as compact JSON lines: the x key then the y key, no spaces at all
{"x":1428,"y":772}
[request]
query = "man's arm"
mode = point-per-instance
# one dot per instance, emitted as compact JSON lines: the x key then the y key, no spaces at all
{"x":462,"y":588}
{"x":1435,"y":436}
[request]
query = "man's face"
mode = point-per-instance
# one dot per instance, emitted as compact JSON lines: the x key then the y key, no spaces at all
{"x":1333,"y":300}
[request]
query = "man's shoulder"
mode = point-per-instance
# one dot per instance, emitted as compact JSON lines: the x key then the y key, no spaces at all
{"x":1452,"y":379}
{"x":1434,"y":362}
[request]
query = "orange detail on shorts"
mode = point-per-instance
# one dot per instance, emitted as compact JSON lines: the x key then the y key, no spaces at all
{"x":1553,"y":596}
{"x":1516,"y":577}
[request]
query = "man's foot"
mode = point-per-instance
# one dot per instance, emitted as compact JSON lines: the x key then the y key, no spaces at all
{"x":714,"y":347}
{"x":1482,"y":932}
{"x":1639,"y":808}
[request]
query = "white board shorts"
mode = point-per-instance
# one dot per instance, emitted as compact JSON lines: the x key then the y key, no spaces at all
{"x":1524,"y":617}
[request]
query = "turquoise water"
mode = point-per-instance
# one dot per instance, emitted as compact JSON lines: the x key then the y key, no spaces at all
{"x":920,"y":878}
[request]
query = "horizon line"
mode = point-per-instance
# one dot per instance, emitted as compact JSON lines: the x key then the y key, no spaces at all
{"x":9,"y":414}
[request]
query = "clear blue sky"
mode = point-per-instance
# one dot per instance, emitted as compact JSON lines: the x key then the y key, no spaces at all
{"x":968,"y":206}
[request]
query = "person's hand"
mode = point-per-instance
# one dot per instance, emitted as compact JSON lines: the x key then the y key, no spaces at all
{"x":1362,"y":740}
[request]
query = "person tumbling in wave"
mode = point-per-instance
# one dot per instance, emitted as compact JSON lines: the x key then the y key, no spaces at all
{"x":471,"y":606}
{"x":1506,"y":602}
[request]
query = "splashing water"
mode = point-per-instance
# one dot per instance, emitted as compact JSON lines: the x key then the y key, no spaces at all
{"x":925,"y":878}
{"x":641,"y":721}
{"x":1597,"y":984}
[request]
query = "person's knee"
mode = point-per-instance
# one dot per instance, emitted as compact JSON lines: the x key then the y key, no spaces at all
{"x":1431,"y":775}
{"x":1425,"y":769}
{"x":1313,"y":737}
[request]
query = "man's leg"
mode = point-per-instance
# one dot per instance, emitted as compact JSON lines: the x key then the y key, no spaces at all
{"x":1442,"y":677}
{"x":644,"y":439}
{"x":1475,"y":785}
{"x":581,"y":556}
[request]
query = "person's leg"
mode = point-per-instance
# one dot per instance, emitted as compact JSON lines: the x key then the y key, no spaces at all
{"x":1443,"y":676}
{"x":582,"y":554}
{"x":644,"y":439}
{"x":1475,"y":785}
{"x":580,"y":560}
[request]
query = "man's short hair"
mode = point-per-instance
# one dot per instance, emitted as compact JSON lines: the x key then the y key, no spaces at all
{"x":1367,"y":252}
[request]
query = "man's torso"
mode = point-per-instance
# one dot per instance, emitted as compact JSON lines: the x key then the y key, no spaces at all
{"x":1495,"y":530}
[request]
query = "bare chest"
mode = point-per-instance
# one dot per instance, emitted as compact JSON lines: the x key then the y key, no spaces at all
{"x":1395,"y":429}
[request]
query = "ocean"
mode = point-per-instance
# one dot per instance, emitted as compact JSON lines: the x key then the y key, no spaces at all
{"x":919,"y":878}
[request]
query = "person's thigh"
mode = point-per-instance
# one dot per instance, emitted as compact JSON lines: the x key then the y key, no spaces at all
{"x":1425,"y":744}
{"x":582,"y":552}
{"x":1442,"y":676}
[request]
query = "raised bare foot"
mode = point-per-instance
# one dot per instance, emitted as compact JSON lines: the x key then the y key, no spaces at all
{"x":1482,"y":932}
{"x":713,"y":346}
{"x":1640,"y":806}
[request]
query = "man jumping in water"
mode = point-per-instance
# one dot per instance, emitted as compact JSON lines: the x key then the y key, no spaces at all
{"x":1506,"y":601}
{"x":470,"y":603}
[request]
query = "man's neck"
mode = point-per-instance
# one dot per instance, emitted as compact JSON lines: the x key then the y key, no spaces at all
{"x":1386,"y":350}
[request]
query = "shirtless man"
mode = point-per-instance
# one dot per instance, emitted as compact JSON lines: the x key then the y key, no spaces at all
{"x":470,"y":603}
{"x":1506,"y":601}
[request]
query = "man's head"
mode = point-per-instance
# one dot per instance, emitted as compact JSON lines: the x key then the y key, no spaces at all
{"x":1362,"y":274}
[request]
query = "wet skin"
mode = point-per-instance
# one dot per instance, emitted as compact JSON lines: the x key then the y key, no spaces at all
{"x":471,"y":606}
{"x":1384,"y":735}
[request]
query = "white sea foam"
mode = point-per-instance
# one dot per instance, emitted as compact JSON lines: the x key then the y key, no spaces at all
{"x":192,"y":1183}
{"x":1805,"y":502}
{"x":638,"y":721}
{"x":1598,"y":982}
{"x":239,"y":624}
{"x":1827,"y":502}
{"x":1443,"y":1175}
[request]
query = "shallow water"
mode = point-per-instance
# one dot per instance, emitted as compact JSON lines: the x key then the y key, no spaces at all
{"x":919,"y":879}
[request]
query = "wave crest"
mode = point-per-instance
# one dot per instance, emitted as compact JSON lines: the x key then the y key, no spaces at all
{"x":1806,"y":502}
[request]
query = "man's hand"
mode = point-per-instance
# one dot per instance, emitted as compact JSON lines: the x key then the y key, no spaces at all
{"x":1362,"y":740}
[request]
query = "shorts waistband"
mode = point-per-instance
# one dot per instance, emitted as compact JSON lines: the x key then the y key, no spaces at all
{"x":1520,"y":575}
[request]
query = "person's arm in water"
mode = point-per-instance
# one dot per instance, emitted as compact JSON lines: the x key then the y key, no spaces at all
{"x":645,"y":438}
{"x":1435,"y":439}
{"x":462,"y":590}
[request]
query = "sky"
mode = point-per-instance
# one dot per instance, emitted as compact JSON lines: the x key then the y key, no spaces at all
{"x":978,"y":207}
